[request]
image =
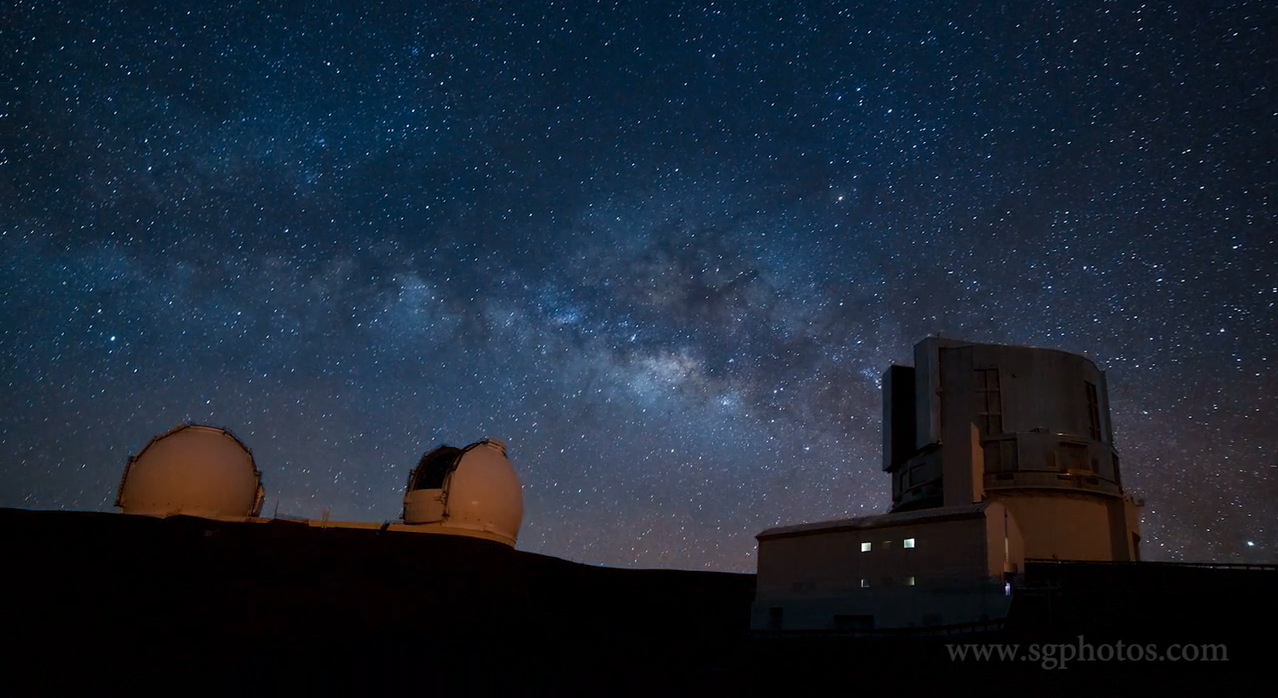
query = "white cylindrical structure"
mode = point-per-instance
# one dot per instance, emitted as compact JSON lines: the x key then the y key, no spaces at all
{"x":192,"y":469}
{"x":471,"y":490}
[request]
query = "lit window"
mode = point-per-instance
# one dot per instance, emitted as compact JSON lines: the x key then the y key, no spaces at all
{"x":909,"y":581}
{"x":909,"y":543}
{"x":865,"y":547}
{"x":865,"y":583}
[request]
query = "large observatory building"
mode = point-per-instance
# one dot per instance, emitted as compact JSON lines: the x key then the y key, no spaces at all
{"x":998,"y":455}
{"x":1028,"y":428}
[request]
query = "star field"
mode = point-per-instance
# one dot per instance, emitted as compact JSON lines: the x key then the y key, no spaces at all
{"x":663,"y":250}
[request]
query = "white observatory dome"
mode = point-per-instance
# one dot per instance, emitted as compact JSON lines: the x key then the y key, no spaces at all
{"x":467,"y":491}
{"x":192,"y":469}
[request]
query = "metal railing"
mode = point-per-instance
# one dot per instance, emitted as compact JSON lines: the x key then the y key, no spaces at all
{"x":1149,"y":564}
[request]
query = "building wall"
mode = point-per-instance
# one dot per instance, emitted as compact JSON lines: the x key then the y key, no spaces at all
{"x":885,"y":608}
{"x":1036,"y":411}
{"x":819,"y":564}
{"x":1004,"y":542}
{"x":953,"y":574}
{"x":1071,"y":527}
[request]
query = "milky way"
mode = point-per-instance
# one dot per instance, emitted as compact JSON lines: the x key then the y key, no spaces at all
{"x":664,"y":251}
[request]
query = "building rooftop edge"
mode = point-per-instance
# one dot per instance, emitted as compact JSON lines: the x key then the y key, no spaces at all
{"x":878,"y":521}
{"x":953,"y":342}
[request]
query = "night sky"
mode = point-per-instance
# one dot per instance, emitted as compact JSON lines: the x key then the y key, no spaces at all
{"x":664,"y":250}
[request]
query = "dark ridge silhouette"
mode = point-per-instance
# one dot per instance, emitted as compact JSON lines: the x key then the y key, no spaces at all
{"x":106,"y":603}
